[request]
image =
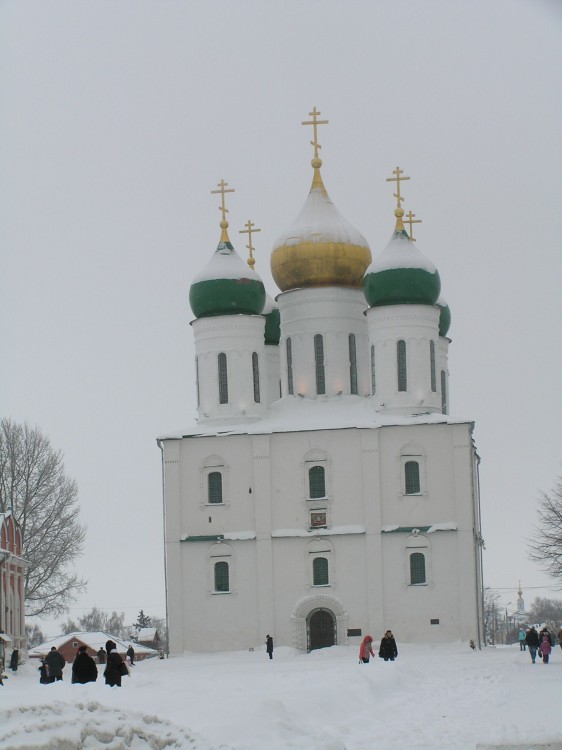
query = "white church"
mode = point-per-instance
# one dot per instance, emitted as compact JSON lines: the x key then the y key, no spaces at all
{"x":326,"y":492}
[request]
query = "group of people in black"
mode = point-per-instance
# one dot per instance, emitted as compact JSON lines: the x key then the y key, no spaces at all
{"x":387,"y":648}
{"x":84,"y":667}
{"x":541,"y":644}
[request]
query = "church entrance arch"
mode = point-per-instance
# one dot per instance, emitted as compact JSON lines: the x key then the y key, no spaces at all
{"x":321,"y":629}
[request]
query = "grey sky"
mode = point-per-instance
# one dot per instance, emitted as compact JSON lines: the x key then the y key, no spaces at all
{"x":119,"y":118}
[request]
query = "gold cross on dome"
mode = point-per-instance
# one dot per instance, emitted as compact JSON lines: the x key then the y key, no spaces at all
{"x":398,"y":172}
{"x":222,"y":185}
{"x":409,"y":219}
{"x":250,"y":229}
{"x":315,"y":122}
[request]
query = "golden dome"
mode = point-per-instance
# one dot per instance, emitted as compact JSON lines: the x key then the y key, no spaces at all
{"x":320,"y":248}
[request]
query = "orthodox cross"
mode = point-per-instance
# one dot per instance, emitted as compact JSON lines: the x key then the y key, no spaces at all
{"x":251,"y":228}
{"x":398,"y":172}
{"x":409,"y":219}
{"x":222,"y":185}
{"x":315,"y":122}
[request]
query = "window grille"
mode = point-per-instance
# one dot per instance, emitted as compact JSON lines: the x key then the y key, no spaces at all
{"x":214,"y":486}
{"x":316,"y":482}
{"x":401,"y":361}
{"x":290,"y":367}
{"x":417,"y":568}
{"x":412,"y":477}
{"x":222,"y":583}
{"x":320,"y":571}
{"x":373,"y":378}
{"x":256,"y":374}
{"x":432,"y":366}
{"x":444,"y":404}
{"x":352,"y":363}
{"x":223,"y":379}
{"x":319,"y":361}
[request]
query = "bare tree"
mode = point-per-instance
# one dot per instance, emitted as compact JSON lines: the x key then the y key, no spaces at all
{"x":545,"y":546}
{"x":492,"y":618}
{"x":43,"y":499}
{"x":34,"y":635}
{"x":95,"y":619}
{"x":548,"y":611}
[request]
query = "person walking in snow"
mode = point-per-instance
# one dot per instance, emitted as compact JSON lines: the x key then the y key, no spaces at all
{"x":131,"y":654}
{"x":269,"y":645}
{"x":533,"y":643}
{"x":521,"y":638}
{"x":55,"y":663}
{"x":14,"y":660}
{"x":545,"y":649}
{"x":366,"y":649}
{"x":84,"y":667}
{"x":546,"y":631}
{"x":115,"y":667}
{"x":102,"y":654}
{"x":387,"y":648}
{"x":560,"y":637}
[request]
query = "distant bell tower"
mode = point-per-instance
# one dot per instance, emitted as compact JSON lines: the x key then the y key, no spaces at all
{"x":520,"y":602}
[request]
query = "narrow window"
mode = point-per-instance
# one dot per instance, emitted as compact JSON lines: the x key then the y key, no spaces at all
{"x":432,"y":366}
{"x":197,"y":380}
{"x":444,"y":404}
{"x":417,"y":568}
{"x":214,"y":487}
{"x":223,"y":379}
{"x":316,"y":482}
{"x":373,"y":378}
{"x":320,"y":571}
{"x":401,"y":361}
{"x":256,"y":374}
{"x":290,"y":367}
{"x":319,"y":361}
{"x":222,"y":583}
{"x":412,"y":477}
{"x":352,"y":364}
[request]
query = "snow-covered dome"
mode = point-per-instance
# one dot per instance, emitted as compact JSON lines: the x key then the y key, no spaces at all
{"x":272,"y":321}
{"x":227,"y":285}
{"x":444,"y":316}
{"x":320,"y":248}
{"x":401,"y":274}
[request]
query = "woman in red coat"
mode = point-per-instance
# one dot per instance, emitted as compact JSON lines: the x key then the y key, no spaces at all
{"x":366,"y":649}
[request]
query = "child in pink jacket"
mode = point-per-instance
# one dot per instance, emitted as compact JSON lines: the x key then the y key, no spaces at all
{"x":545,"y":649}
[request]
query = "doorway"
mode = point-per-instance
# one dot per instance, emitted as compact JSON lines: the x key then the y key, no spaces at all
{"x":321,"y":629}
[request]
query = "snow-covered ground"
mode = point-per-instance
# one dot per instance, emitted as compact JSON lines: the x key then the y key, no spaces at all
{"x":432,"y":698}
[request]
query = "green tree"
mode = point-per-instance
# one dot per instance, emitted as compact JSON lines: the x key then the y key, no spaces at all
{"x":143,"y":621}
{"x":33,"y":484}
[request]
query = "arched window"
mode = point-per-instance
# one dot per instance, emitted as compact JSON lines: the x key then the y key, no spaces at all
{"x":432,"y":367}
{"x":352,"y":364}
{"x":401,"y":365}
{"x":320,"y":572}
{"x":444,"y":404}
{"x":316,"y":482}
{"x":256,"y":376}
{"x":319,"y":362}
{"x":214,"y":487}
{"x":417,"y":568}
{"x":222,"y":583}
{"x":412,"y":477}
{"x":223,"y":379}
{"x":290,"y":387}
{"x":373,"y":378}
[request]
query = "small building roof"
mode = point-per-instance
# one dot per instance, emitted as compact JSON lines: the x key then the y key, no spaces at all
{"x":95,"y":640}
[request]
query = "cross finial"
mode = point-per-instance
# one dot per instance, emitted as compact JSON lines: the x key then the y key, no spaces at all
{"x":222,"y":185}
{"x":315,"y":122}
{"x":398,"y":172}
{"x":250,"y":229}
{"x":409,"y":219}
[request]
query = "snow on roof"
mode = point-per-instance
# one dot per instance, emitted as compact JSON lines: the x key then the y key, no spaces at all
{"x":400,"y":252}
{"x":225,"y":263}
{"x":145,"y":634}
{"x":94,"y":639}
{"x":295,"y":414}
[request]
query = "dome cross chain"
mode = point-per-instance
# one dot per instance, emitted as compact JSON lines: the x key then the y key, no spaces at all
{"x":315,"y":122}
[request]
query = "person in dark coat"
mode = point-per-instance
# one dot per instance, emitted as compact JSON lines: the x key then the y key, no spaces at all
{"x":14,"y":660}
{"x":84,"y":667}
{"x":102,"y":655}
{"x":131,"y":654}
{"x":533,"y":643}
{"x":43,"y":676}
{"x":269,"y":645}
{"x":54,"y":661}
{"x":115,"y":667}
{"x":387,"y":648}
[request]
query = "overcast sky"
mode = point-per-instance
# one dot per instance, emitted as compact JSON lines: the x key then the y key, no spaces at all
{"x":117,"y":120}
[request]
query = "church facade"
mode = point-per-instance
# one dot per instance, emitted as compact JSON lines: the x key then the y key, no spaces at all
{"x":326,"y":492}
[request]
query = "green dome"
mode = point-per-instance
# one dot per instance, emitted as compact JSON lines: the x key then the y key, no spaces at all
{"x":401,"y":275}
{"x":226,"y":286}
{"x":272,"y":321}
{"x":444,"y":316}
